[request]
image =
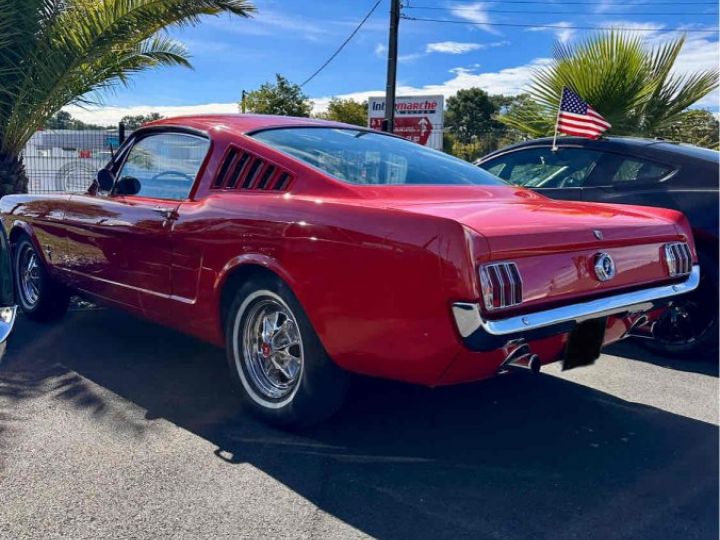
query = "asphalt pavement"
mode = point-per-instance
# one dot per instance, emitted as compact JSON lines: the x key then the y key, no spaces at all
{"x":113,"y":427}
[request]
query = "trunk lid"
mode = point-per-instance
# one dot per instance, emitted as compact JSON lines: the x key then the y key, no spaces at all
{"x":546,"y":226}
{"x":555,"y":244}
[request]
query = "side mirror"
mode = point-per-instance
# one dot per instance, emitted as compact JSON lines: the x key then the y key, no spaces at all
{"x":128,"y":185}
{"x":105,"y":180}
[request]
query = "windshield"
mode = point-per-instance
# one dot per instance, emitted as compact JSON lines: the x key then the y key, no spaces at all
{"x":369,"y":158}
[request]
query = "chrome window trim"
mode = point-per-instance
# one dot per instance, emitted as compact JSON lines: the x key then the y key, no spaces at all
{"x":468,"y":316}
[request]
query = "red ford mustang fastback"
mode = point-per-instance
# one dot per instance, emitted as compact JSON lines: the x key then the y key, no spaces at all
{"x":311,"y":249}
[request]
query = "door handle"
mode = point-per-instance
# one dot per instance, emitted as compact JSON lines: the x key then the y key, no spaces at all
{"x":168,"y":213}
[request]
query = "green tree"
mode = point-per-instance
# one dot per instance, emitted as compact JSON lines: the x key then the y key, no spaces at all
{"x":56,"y":52}
{"x":473,"y":126}
{"x":62,"y":120}
{"x":521,"y":104}
{"x":348,"y":111}
{"x":698,"y":126}
{"x":133,"y":122}
{"x":282,"y":98}
{"x":471,"y":114}
{"x":631,"y":85}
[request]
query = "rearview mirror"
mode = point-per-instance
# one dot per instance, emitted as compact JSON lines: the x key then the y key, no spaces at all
{"x":128,"y":185}
{"x":105,"y":180}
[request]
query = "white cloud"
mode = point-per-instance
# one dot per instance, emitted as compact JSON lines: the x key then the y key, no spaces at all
{"x":603,"y":6}
{"x":508,"y":81}
{"x":381,"y":52}
{"x":112,"y":115}
{"x":268,"y":22}
{"x":563,"y":30}
{"x":475,"y":13}
{"x":409,"y":58}
{"x":451,"y":47}
{"x":642,"y":29}
{"x":456,"y":47}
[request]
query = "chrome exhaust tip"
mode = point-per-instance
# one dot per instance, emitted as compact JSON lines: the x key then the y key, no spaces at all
{"x":640,"y":329}
{"x":521,"y":358}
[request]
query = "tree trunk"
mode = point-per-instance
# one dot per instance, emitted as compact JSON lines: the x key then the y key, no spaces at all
{"x":13,"y":178}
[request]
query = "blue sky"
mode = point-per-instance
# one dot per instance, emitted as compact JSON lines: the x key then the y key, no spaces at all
{"x":294,"y":38}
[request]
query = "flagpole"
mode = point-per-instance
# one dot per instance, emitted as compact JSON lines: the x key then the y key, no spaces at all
{"x":557,"y":121}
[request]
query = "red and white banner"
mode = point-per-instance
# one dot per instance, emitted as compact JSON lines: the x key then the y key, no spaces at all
{"x":417,"y":118}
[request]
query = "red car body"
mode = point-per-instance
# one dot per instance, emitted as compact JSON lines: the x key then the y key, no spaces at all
{"x":383,"y":272}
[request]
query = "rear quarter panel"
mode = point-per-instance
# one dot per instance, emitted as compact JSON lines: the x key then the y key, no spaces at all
{"x":376,"y":284}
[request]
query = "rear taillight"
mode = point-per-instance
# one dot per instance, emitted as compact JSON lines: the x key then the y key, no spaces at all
{"x":678,"y":258}
{"x":501,"y":285}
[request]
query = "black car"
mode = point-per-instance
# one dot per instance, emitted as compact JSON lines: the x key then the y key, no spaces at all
{"x":635,"y":171}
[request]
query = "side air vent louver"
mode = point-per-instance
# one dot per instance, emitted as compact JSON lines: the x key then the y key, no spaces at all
{"x":225,"y":167}
{"x":678,"y":258}
{"x":247,"y":172}
{"x":501,"y":285}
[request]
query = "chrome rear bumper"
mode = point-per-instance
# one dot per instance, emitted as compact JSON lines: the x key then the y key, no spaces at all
{"x":469,"y":320}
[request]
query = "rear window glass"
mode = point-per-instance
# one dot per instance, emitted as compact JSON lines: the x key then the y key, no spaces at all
{"x":370,"y":158}
{"x":636,"y":170}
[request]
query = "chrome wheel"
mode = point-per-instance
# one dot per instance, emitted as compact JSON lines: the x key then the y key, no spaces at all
{"x":29,"y":277}
{"x":272,"y":349}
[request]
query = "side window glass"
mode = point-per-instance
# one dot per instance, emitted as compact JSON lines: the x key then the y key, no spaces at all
{"x":637,"y":170}
{"x":543,"y":168}
{"x":165,"y":165}
{"x":496,"y":168}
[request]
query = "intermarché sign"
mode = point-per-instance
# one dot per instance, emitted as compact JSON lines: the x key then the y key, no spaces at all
{"x":417,"y":118}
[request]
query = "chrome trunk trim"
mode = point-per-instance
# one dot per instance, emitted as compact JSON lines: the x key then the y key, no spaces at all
{"x":468,"y":316}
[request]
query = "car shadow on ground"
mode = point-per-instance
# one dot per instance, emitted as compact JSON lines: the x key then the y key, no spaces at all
{"x":707,"y":365}
{"x":508,"y":458}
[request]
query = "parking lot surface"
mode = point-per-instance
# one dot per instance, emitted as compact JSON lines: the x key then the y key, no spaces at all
{"x":112,"y":427}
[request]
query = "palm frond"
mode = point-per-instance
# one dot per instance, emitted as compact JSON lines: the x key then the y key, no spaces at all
{"x":54,"y":52}
{"x":632,"y":86}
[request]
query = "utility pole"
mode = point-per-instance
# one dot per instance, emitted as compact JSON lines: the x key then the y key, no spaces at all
{"x":242,"y":101}
{"x":389,"y":122}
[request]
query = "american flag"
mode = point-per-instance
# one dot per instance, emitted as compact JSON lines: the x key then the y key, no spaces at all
{"x":578,"y":118}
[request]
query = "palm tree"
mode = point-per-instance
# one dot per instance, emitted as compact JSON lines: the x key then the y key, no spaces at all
{"x":630,"y":84}
{"x":57,"y":52}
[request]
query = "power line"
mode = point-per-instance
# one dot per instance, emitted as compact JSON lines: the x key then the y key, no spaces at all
{"x":713,"y":30}
{"x":594,"y":3}
{"x":519,"y":12}
{"x":342,"y":46}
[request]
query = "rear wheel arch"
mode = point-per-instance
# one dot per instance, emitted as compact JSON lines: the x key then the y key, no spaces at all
{"x":235,"y":278}
{"x":19,"y":230}
{"x":240,"y":271}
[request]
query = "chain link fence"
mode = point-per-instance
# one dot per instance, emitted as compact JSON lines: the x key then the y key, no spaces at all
{"x":67,"y":159}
